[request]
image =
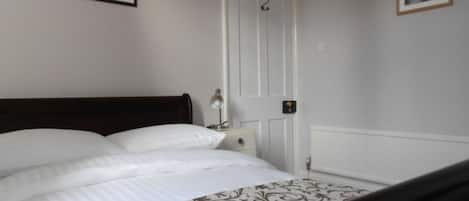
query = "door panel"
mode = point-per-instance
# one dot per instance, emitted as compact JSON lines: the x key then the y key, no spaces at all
{"x":249,"y":58}
{"x":260,"y":74}
{"x":276,"y":49}
{"x":277,"y":133}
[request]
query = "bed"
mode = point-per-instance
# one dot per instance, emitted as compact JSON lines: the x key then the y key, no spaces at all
{"x":162,"y":175}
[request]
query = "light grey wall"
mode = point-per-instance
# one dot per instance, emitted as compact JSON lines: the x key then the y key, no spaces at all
{"x":361,"y":66}
{"x":58,"y":48}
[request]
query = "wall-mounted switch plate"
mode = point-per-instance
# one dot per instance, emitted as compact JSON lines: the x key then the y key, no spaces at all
{"x":289,"y":107}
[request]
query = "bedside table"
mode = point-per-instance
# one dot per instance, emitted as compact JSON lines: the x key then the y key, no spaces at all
{"x":241,"y":140}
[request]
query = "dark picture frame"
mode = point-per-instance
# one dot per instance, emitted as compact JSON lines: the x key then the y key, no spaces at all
{"x":405,"y":7}
{"x":133,"y":3}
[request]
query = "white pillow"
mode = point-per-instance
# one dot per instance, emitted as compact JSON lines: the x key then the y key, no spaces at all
{"x":166,"y":137}
{"x":28,"y":148}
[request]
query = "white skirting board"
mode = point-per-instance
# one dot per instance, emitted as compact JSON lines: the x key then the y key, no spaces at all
{"x":376,"y":159}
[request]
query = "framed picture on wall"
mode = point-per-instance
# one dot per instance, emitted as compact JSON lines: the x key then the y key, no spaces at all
{"x":412,"y":6}
{"x":122,"y":2}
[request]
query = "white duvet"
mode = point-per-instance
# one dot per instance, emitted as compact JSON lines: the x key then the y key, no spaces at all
{"x":155,"y":176}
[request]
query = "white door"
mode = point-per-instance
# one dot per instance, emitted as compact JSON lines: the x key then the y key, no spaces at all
{"x":260,"y":74}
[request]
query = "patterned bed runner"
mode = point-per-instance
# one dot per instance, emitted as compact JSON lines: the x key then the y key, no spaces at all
{"x":294,"y":190}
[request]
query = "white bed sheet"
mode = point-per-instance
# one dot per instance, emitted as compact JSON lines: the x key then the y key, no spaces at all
{"x":156,"y":176}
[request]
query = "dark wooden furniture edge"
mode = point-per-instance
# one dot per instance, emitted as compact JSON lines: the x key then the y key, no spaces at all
{"x":101,"y":115}
{"x":448,"y":184}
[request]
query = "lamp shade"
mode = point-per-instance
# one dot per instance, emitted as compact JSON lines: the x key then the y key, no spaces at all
{"x":217,"y":102}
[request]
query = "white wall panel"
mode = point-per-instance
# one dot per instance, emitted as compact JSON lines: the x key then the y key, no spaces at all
{"x":382,"y":157}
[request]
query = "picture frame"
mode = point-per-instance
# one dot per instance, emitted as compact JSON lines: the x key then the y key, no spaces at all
{"x":133,"y":3}
{"x":412,"y":6}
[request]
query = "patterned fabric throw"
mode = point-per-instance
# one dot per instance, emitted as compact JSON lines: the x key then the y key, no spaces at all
{"x":295,"y":190}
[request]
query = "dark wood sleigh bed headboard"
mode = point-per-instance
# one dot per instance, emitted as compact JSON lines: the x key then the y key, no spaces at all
{"x":102,"y":115}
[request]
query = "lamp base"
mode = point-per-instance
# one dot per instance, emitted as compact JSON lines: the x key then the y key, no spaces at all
{"x":222,"y":126}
